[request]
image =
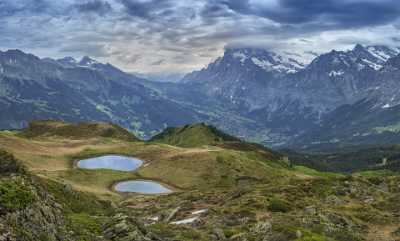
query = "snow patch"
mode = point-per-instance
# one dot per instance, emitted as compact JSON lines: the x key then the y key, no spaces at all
{"x":279,"y":65}
{"x":378,"y":54}
{"x":266,"y":65}
{"x":334,"y":73}
{"x":382,"y":53}
{"x":185,"y":221}
{"x":270,"y":61}
{"x":241,"y":56}
{"x":372,"y":64}
{"x":200,"y":211}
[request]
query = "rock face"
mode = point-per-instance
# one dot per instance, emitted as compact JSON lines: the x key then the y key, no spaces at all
{"x":27,"y":210}
{"x":121,"y":227}
{"x":305,"y":100}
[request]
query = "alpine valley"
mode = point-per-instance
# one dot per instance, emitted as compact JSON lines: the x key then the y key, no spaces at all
{"x":258,"y":146}
{"x":208,"y":120}
{"x":303,"y":102}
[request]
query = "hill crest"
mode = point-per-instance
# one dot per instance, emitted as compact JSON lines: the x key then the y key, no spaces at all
{"x":193,"y":135}
{"x":45,"y":128}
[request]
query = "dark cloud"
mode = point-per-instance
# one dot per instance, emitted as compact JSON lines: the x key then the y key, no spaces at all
{"x":94,"y":6}
{"x":214,"y":9}
{"x":89,"y":48}
{"x":334,"y":13}
{"x":241,"y":6}
{"x":146,"y":9}
{"x":396,"y":39}
{"x":167,"y":34}
{"x":12,"y":7}
{"x":7,"y":9}
{"x":158,"y":62}
{"x":29,"y":8}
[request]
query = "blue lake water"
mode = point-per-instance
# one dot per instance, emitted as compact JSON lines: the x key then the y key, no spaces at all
{"x":144,"y":187}
{"x":113,"y":162}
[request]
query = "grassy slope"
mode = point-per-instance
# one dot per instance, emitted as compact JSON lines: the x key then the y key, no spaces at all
{"x":195,"y":135}
{"x":53,"y":157}
{"x":180,"y":167}
{"x":76,"y":131}
{"x":233,"y":183}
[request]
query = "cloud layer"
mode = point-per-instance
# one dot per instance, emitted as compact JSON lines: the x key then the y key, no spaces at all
{"x":182,"y":35}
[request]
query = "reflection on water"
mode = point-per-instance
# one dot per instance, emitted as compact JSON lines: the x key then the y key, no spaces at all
{"x":145,"y":187}
{"x":113,"y":162}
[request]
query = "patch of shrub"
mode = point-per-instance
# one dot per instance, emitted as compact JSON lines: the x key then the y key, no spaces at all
{"x":78,"y":202}
{"x":8,"y":163}
{"x":376,"y":180}
{"x":191,"y":234}
{"x":85,"y":225}
{"x":279,"y":205}
{"x":15,"y":196}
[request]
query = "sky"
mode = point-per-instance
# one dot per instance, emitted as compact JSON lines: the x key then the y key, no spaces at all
{"x":178,"y":36}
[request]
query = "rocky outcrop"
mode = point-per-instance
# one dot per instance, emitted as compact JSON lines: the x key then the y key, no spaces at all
{"x":28,"y":212}
{"x":124,"y":228}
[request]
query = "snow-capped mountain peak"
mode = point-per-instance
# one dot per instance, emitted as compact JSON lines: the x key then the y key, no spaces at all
{"x":266,"y":60}
{"x":383,"y":52}
{"x":374,"y":56}
{"x":356,"y":59}
{"x":333,"y":62}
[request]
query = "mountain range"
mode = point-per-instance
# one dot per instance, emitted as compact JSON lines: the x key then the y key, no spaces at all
{"x":340,"y":98}
{"x":33,"y":88}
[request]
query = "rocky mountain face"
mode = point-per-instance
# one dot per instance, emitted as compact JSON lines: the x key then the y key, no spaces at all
{"x":241,"y":77}
{"x":300,"y":102}
{"x":361,"y":99}
{"x":34,"y":88}
{"x":27,"y":210}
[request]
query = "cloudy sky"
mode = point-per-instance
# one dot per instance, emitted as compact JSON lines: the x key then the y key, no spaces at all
{"x":183,"y":35}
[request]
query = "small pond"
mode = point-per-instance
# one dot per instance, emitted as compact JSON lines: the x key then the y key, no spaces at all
{"x":144,"y":187}
{"x":113,"y":162}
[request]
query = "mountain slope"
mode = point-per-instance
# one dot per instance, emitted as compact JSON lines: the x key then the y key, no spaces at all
{"x":292,"y":105}
{"x":350,"y":159}
{"x":241,"y":76}
{"x":79,"y":131}
{"x":32,"y":89}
